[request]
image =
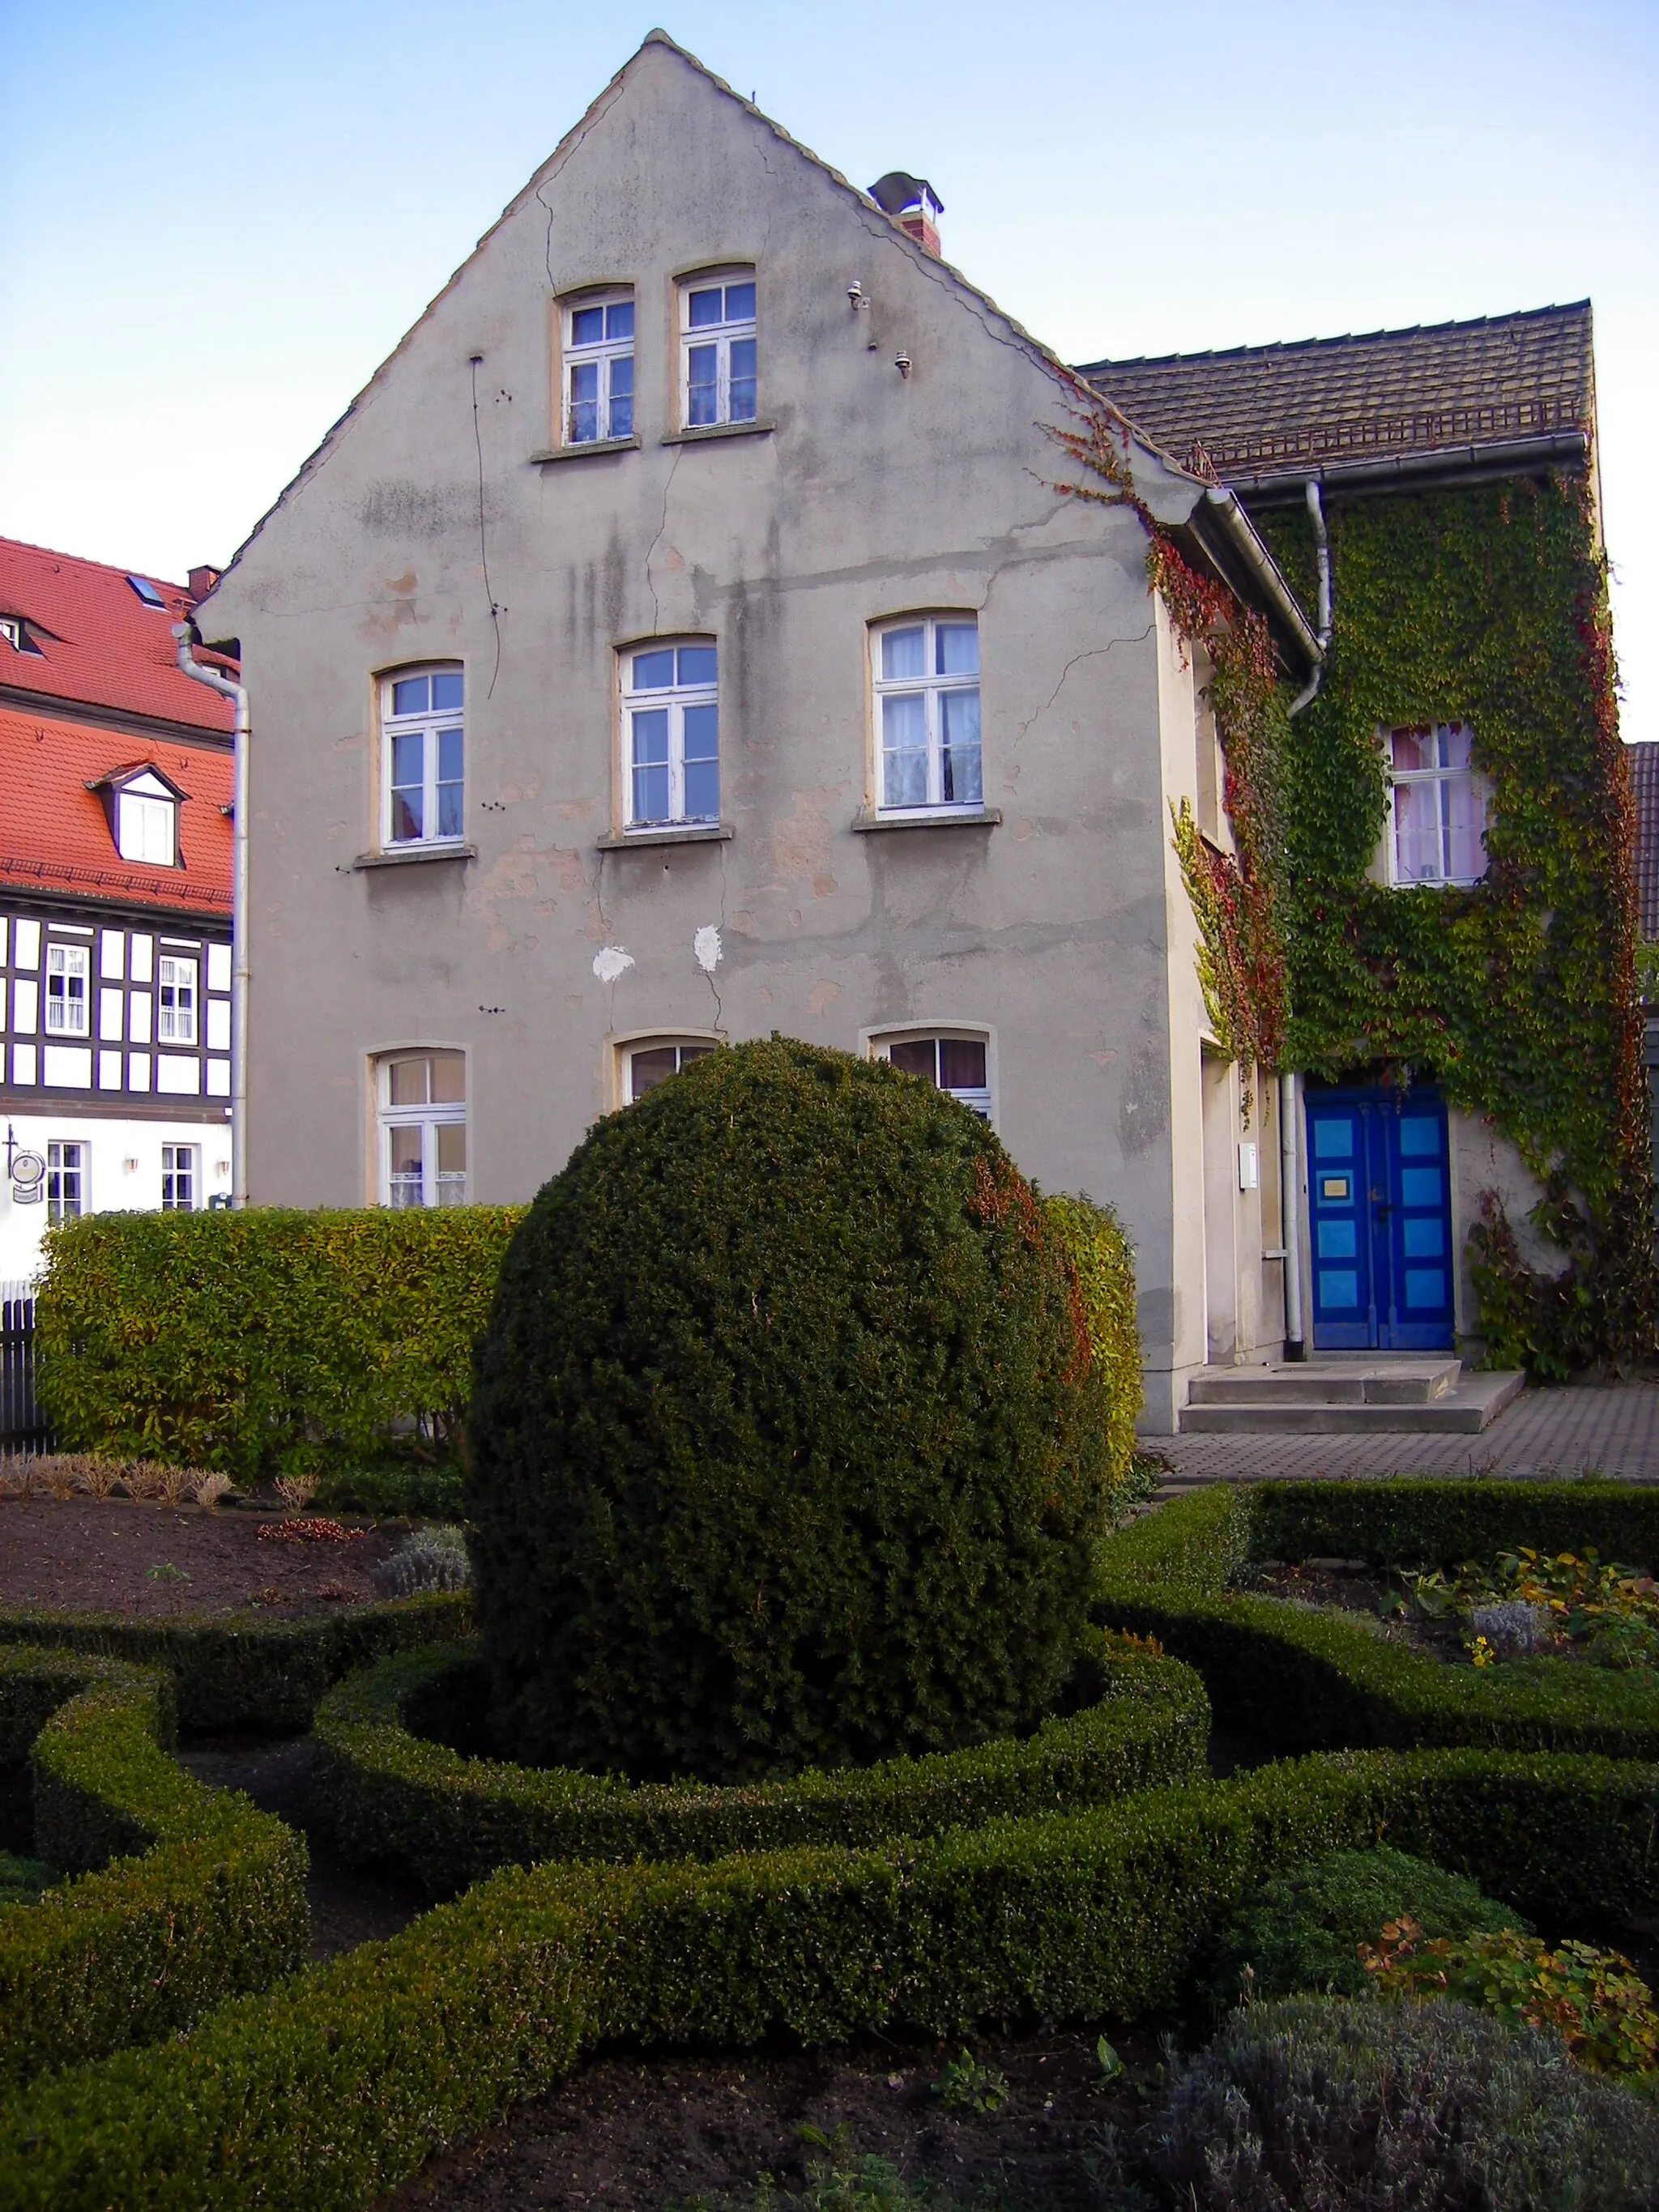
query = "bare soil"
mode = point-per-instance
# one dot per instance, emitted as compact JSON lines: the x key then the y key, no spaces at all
{"x":636,"y":2134}
{"x":98,"y":1557}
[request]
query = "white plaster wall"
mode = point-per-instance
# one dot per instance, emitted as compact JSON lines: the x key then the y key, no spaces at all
{"x":1483,"y":1159}
{"x":112,"y":1187}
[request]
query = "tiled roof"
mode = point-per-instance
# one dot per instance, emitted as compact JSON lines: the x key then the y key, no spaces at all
{"x":55,"y":835}
{"x":1263,"y":410}
{"x":1644,"y":777}
{"x":99,"y":643}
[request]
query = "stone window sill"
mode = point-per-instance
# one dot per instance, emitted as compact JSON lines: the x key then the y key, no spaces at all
{"x":714,"y":430}
{"x":934,"y":818}
{"x":414,"y":854}
{"x":690,"y":833}
{"x":588,"y":448}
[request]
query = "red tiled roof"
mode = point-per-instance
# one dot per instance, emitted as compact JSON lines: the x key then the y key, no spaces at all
{"x":1644,"y":761}
{"x":1263,"y":410}
{"x":55,"y":835}
{"x":99,"y":641}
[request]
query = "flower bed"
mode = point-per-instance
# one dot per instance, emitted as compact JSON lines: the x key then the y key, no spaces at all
{"x":393,"y":1792}
{"x":203,"y":1897}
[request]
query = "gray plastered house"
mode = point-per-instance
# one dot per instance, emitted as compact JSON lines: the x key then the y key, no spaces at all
{"x":569,"y":533}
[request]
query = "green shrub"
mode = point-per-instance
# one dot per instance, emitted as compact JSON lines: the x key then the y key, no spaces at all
{"x":1310,"y":1679}
{"x":1321,"y":2102}
{"x":428,"y":1560}
{"x":213,"y":1903}
{"x":1302,"y":1929}
{"x":787,"y":1444}
{"x":266,"y":1340}
{"x":1420,"y":1523}
{"x":392,"y":1792}
{"x":1105,"y":1263}
{"x":24,"y":1881}
{"x":246,"y":1672}
{"x":331,"y":2087}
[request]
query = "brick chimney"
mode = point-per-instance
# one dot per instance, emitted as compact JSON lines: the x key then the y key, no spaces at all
{"x":913,"y":204}
{"x":201,"y":582}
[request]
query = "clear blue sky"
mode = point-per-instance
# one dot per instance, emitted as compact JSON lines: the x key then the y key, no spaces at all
{"x":217,"y":222}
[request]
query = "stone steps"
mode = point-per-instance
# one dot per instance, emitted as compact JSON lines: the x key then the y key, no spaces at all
{"x":1385,"y":1396}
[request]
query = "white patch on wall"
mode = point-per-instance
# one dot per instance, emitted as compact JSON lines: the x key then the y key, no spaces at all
{"x":179,"y":1073}
{"x":611,"y":962}
{"x":707,"y":946}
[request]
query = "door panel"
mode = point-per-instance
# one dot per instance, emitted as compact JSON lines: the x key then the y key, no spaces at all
{"x":1380,"y":1207}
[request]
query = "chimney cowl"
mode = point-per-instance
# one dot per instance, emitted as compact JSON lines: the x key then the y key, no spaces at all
{"x":912,"y":203}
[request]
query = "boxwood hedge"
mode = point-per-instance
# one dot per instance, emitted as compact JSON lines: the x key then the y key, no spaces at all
{"x":334,"y":2086}
{"x":203,"y":1896}
{"x":1420,"y":1523}
{"x":248,"y":1672}
{"x":394,"y":1792}
{"x":1307,"y":1679}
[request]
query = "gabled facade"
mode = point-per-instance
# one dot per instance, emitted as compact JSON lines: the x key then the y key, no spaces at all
{"x":115,"y":902}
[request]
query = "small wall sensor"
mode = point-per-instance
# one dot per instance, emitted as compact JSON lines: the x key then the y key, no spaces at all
{"x":855,"y":295}
{"x":902,"y":365}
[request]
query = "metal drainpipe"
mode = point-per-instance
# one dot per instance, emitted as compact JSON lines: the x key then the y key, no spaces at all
{"x":1290,"y":1209}
{"x":188,"y":637}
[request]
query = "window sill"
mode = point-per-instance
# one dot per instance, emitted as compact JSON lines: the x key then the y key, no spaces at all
{"x":669,"y":833}
{"x":714,"y":430}
{"x":931,"y":817}
{"x":588,"y":448}
{"x":411,"y":855}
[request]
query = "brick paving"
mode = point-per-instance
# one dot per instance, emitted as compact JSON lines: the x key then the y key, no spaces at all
{"x":1611,"y":1432}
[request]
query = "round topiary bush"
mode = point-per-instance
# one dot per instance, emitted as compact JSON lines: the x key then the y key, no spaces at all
{"x":787,"y":1448}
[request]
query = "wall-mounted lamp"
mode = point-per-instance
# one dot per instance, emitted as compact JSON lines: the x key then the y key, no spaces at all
{"x":222,"y":1167}
{"x":902,"y":365}
{"x":129,"y":1167}
{"x":855,"y":298}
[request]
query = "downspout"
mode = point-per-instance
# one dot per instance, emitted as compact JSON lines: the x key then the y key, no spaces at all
{"x":1289,"y":1210}
{"x":188,"y":638}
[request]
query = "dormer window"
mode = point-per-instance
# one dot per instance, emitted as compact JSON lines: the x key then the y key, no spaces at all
{"x":15,"y":632}
{"x":146,"y":822}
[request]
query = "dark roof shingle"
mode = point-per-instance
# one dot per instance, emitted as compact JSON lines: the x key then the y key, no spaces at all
{"x":1286,"y":409}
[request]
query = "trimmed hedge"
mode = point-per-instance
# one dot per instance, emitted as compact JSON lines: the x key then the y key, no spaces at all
{"x":249,"y":1672}
{"x":215,"y":1906}
{"x":1402,"y":1523}
{"x":392,"y":1792}
{"x":1308,"y":1679}
{"x":334,"y":2087}
{"x":1105,"y":1262}
{"x":266,"y":1340}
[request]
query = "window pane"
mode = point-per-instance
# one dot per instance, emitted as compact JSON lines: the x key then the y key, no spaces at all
{"x":648,"y":1068}
{"x":651,"y":737}
{"x":958,"y":648}
{"x":407,"y":816}
{"x":916,"y":1056}
{"x":1411,"y":750}
{"x":408,"y":1082}
{"x":1465,"y":826}
{"x":452,"y":1148}
{"x":743,"y":379}
{"x":407,"y":751}
{"x":654,"y":672}
{"x":405,"y":1177}
{"x":703,"y":791}
{"x":587,"y":326}
{"x":446,"y":690}
{"x":584,"y":403}
{"x":448,"y":1077}
{"x":703,"y":733}
{"x":700,"y":387}
{"x":699,"y":663}
{"x":1455,"y":745}
{"x":739,"y":304}
{"x":449,"y":810}
{"x":961,"y":1064}
{"x":1417,"y":833}
{"x":619,"y":319}
{"x":904,"y":653}
{"x":704,"y":308}
{"x":959,"y":765}
{"x":622,"y":416}
{"x":451,"y":748}
{"x":410,"y":695}
{"x":904,"y":750}
{"x":651,"y":794}
{"x":690,"y":1052}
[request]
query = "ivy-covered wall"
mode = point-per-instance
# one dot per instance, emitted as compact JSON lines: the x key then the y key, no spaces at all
{"x":1485,"y":604}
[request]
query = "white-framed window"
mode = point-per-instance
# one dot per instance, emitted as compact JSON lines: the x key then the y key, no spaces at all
{"x":671,"y":732}
{"x":175,"y":1001}
{"x":1438,"y":804}
{"x":179,"y":1171}
{"x":423,"y":727}
{"x":67,"y":968}
{"x":146,"y":822}
{"x":956,"y":1061}
{"x":423,"y":1115}
{"x":717,"y":350}
{"x":598,"y":369}
{"x":927,"y":712}
{"x":646,"y":1065}
{"x":66,"y":1180}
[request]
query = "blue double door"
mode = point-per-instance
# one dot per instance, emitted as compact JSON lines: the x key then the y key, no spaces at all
{"x":1379,"y":1197}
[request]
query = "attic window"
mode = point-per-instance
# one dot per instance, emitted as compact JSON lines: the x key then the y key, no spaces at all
{"x":146,"y":822}
{"x":147,"y":593}
{"x":15,"y":632}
